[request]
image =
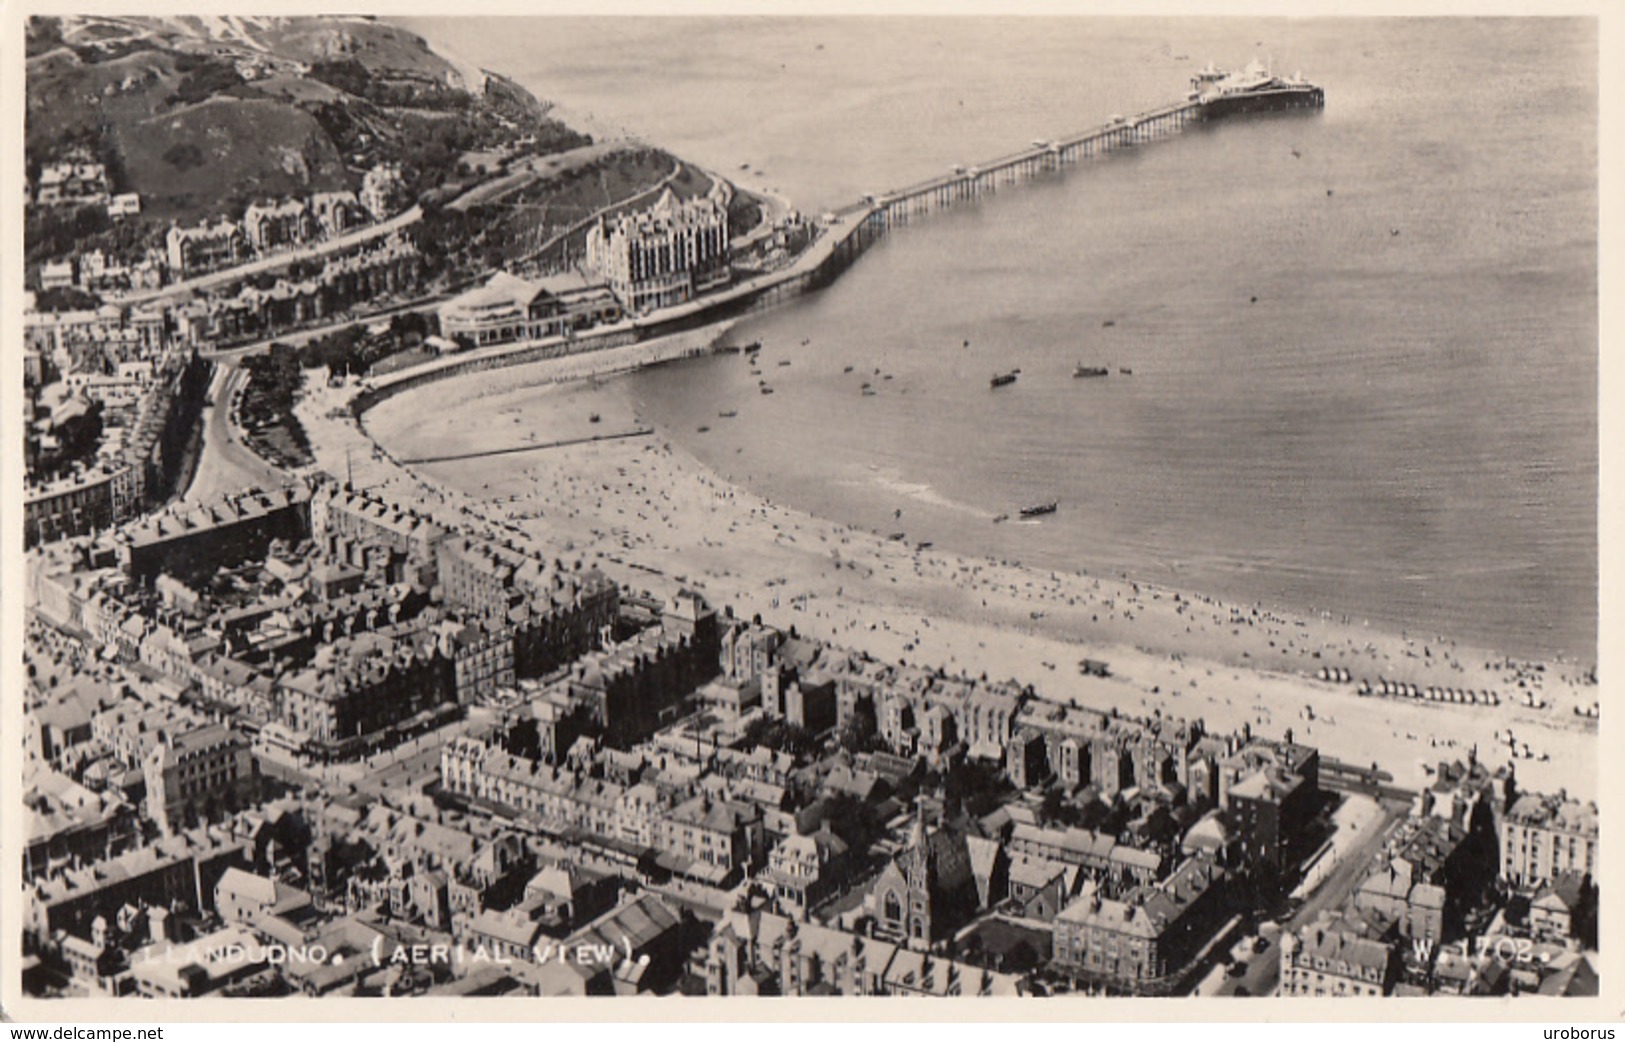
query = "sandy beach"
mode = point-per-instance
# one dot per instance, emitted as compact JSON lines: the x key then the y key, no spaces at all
{"x":654,"y":517}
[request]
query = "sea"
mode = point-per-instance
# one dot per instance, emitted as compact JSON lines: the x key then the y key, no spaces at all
{"x":1353,"y":354}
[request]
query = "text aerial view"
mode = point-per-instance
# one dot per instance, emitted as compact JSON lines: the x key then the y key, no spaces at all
{"x":810,"y":507}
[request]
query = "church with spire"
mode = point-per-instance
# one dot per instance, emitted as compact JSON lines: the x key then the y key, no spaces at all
{"x":927,"y":891}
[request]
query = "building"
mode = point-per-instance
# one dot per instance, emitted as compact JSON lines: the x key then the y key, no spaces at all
{"x":1563,"y":909}
{"x":189,"y":541}
{"x":382,"y":188}
{"x":509,"y":309}
{"x":715,"y":841}
{"x":664,"y":255}
{"x":204,"y":965}
{"x":127,"y":204}
{"x":269,"y":226}
{"x":804,"y":870}
{"x":177,"y":871}
{"x":1427,"y":882}
{"x":1143,"y":940}
{"x":1099,"y":854}
{"x":648,"y":939}
{"x":927,"y":890}
{"x":56,"y":275}
{"x":198,"y":774}
{"x":205,"y":247}
{"x":345,"y":523}
{"x":1544,"y":836}
{"x":358,"y":687}
{"x":1328,"y":959}
{"x":80,"y":504}
{"x":755,"y":952}
{"x":243,"y":897}
{"x":335,"y":212}
{"x":71,"y":182}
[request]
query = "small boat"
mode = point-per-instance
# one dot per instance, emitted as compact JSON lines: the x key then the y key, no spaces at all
{"x":1001,"y":518}
{"x":704,"y":430}
{"x":927,"y":545}
{"x":1108,"y":323}
{"x":728,"y":414}
{"x":897,"y":537}
{"x":868,"y":392}
{"x":1040,"y":509}
{"x":1090,"y":370}
{"x":1002,"y":380}
{"x":848,"y":369}
{"x":785,"y":362}
{"x":1125,"y":370}
{"x":886,"y":377}
{"x":766,"y":389}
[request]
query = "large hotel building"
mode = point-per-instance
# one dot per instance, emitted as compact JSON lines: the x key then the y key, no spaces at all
{"x":665,"y":255}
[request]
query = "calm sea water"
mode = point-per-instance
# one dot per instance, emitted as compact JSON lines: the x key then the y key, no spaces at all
{"x":1402,"y":427}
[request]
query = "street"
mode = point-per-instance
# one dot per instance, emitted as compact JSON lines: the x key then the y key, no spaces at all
{"x":1264,"y":968}
{"x":225,"y":464}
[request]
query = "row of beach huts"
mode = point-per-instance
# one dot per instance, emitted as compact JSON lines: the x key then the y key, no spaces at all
{"x":1402,"y":689}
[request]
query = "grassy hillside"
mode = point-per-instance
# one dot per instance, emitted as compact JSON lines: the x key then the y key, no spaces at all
{"x":201,"y":114}
{"x":220,"y":154}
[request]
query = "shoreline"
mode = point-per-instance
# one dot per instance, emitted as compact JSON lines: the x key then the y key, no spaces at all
{"x":653,"y":512}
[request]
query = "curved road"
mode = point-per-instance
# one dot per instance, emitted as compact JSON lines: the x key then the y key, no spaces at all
{"x":226,"y":464}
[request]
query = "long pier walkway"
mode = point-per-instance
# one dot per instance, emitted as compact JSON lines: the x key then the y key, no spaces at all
{"x":842,"y":236}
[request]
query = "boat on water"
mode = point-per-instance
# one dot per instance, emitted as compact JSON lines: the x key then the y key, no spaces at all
{"x":868,"y":392}
{"x":728,"y":414}
{"x":704,"y":430}
{"x":1002,"y":380}
{"x":1040,"y":509}
{"x":1001,"y":518}
{"x":784,"y":362}
{"x":766,"y":389}
{"x":1090,"y":370}
{"x":1125,"y":370}
{"x":848,"y":369}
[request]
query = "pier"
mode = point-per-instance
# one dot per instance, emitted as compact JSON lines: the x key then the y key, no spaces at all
{"x":850,"y":230}
{"x":844,"y":234}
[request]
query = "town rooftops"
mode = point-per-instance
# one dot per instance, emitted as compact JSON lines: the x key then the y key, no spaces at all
{"x":502,"y":291}
{"x":896,"y":968}
{"x":167,"y":851}
{"x":1333,"y":949}
{"x":275,"y":897}
{"x":225,"y":510}
{"x":1554,"y":812}
{"x":637,"y":923}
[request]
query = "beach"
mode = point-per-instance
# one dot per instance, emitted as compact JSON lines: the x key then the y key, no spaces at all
{"x":553,"y":454}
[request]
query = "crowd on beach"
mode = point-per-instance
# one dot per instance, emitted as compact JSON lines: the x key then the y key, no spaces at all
{"x":650,"y":513}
